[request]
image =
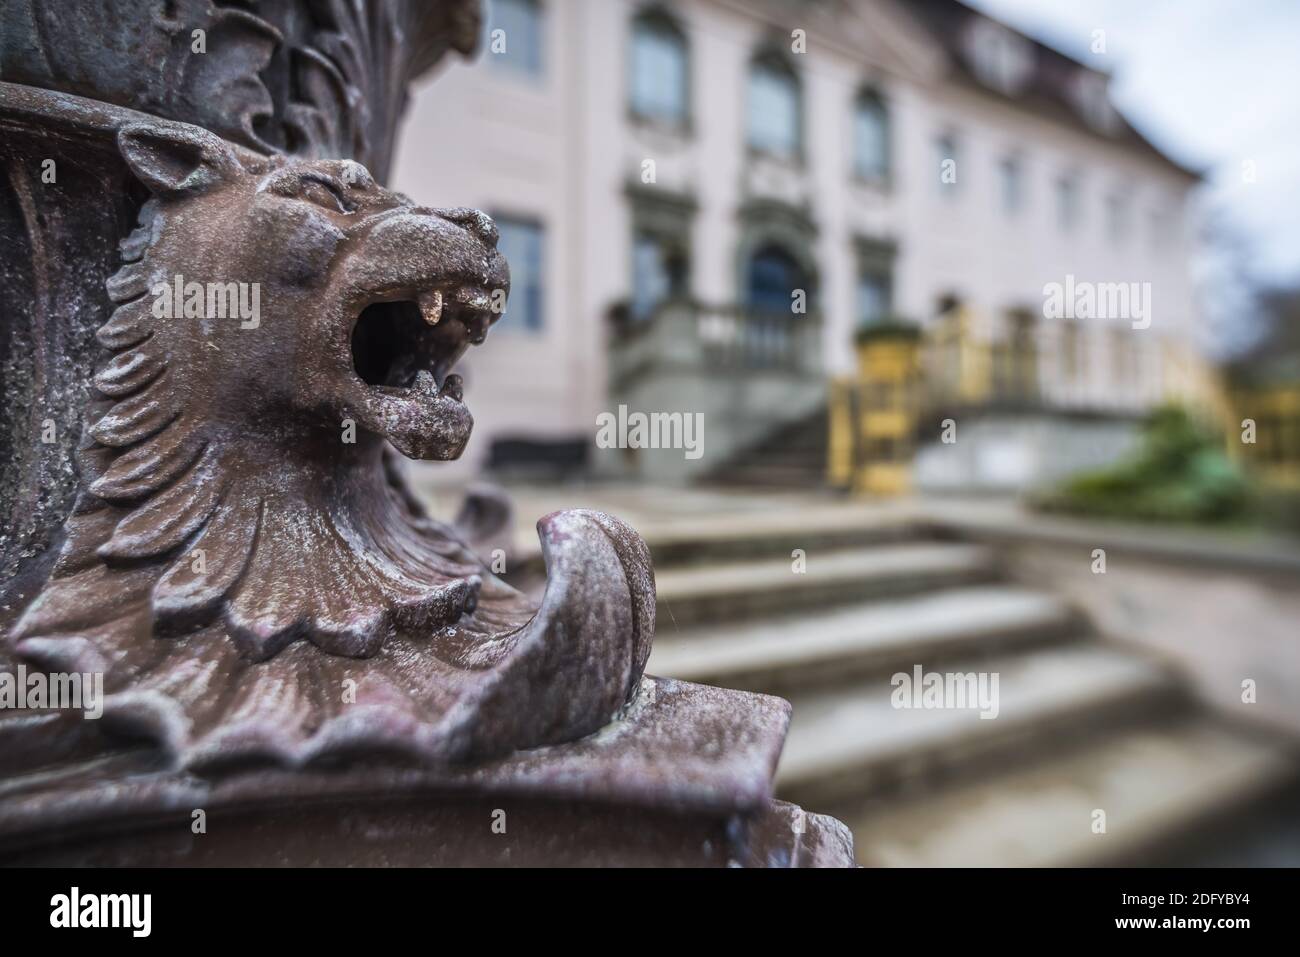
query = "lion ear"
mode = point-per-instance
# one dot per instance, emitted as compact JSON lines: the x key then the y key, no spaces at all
{"x":172,"y":159}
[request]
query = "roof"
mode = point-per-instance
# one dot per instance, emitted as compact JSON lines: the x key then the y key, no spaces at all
{"x":1051,"y":80}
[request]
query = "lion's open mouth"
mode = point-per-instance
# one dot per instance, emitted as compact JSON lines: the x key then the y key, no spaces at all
{"x":412,"y":344}
{"x":404,"y":345}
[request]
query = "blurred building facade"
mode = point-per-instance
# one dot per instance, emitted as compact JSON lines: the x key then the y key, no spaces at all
{"x":705,"y":203}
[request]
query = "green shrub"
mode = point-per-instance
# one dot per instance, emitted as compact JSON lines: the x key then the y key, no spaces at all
{"x":1180,"y":473}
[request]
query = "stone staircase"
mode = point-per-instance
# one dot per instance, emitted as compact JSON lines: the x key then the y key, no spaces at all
{"x":1082,"y":723}
{"x":793,"y":456}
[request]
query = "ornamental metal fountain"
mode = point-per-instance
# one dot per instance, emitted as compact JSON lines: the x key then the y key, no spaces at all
{"x":222,"y":333}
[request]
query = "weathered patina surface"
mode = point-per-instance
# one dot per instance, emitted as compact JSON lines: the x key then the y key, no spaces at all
{"x":308,"y":78}
{"x":204,"y":503}
{"x":305,"y":78}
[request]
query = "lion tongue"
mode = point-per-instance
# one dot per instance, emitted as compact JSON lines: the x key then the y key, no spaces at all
{"x":425,"y":384}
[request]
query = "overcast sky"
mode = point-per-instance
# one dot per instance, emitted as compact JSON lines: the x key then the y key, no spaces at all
{"x":1214,"y":83}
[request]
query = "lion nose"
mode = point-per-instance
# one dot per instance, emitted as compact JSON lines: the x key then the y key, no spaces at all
{"x":475,"y":220}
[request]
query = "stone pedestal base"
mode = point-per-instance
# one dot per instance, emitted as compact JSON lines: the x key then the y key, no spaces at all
{"x":683,"y":778}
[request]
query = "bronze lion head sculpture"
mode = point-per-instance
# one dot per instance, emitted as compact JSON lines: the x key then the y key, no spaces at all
{"x":244,"y":563}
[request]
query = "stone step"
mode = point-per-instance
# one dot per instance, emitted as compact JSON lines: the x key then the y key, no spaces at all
{"x":732,"y":590}
{"x":1152,"y":782}
{"x":850,"y":741}
{"x":774,"y":475}
{"x":784,"y":523}
{"x":777,"y":654}
{"x":775,"y":533}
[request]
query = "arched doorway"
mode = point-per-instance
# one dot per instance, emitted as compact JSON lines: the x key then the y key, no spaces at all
{"x":772,"y":279}
{"x":776,"y":298}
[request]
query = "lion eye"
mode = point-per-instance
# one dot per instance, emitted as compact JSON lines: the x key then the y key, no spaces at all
{"x":325,"y":193}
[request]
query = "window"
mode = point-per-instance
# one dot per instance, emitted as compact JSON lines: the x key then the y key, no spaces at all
{"x":875,"y":266}
{"x":774,"y":275}
{"x":871,"y":137}
{"x":775,"y":124}
{"x":1116,"y":215}
{"x":1123,"y":357}
{"x":659,"y":82}
{"x":873,"y":298}
{"x":946,"y":160}
{"x":521,"y":244}
{"x":949,"y":329}
{"x":1071,"y":351}
{"x":1015,"y":358}
{"x":1067,"y":202}
{"x":1012,"y":182}
{"x":1162,"y":226}
{"x":650,"y":282}
{"x":658,"y":273}
{"x":515,"y":35}
{"x":1092,"y":99}
{"x":1001,"y":59}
